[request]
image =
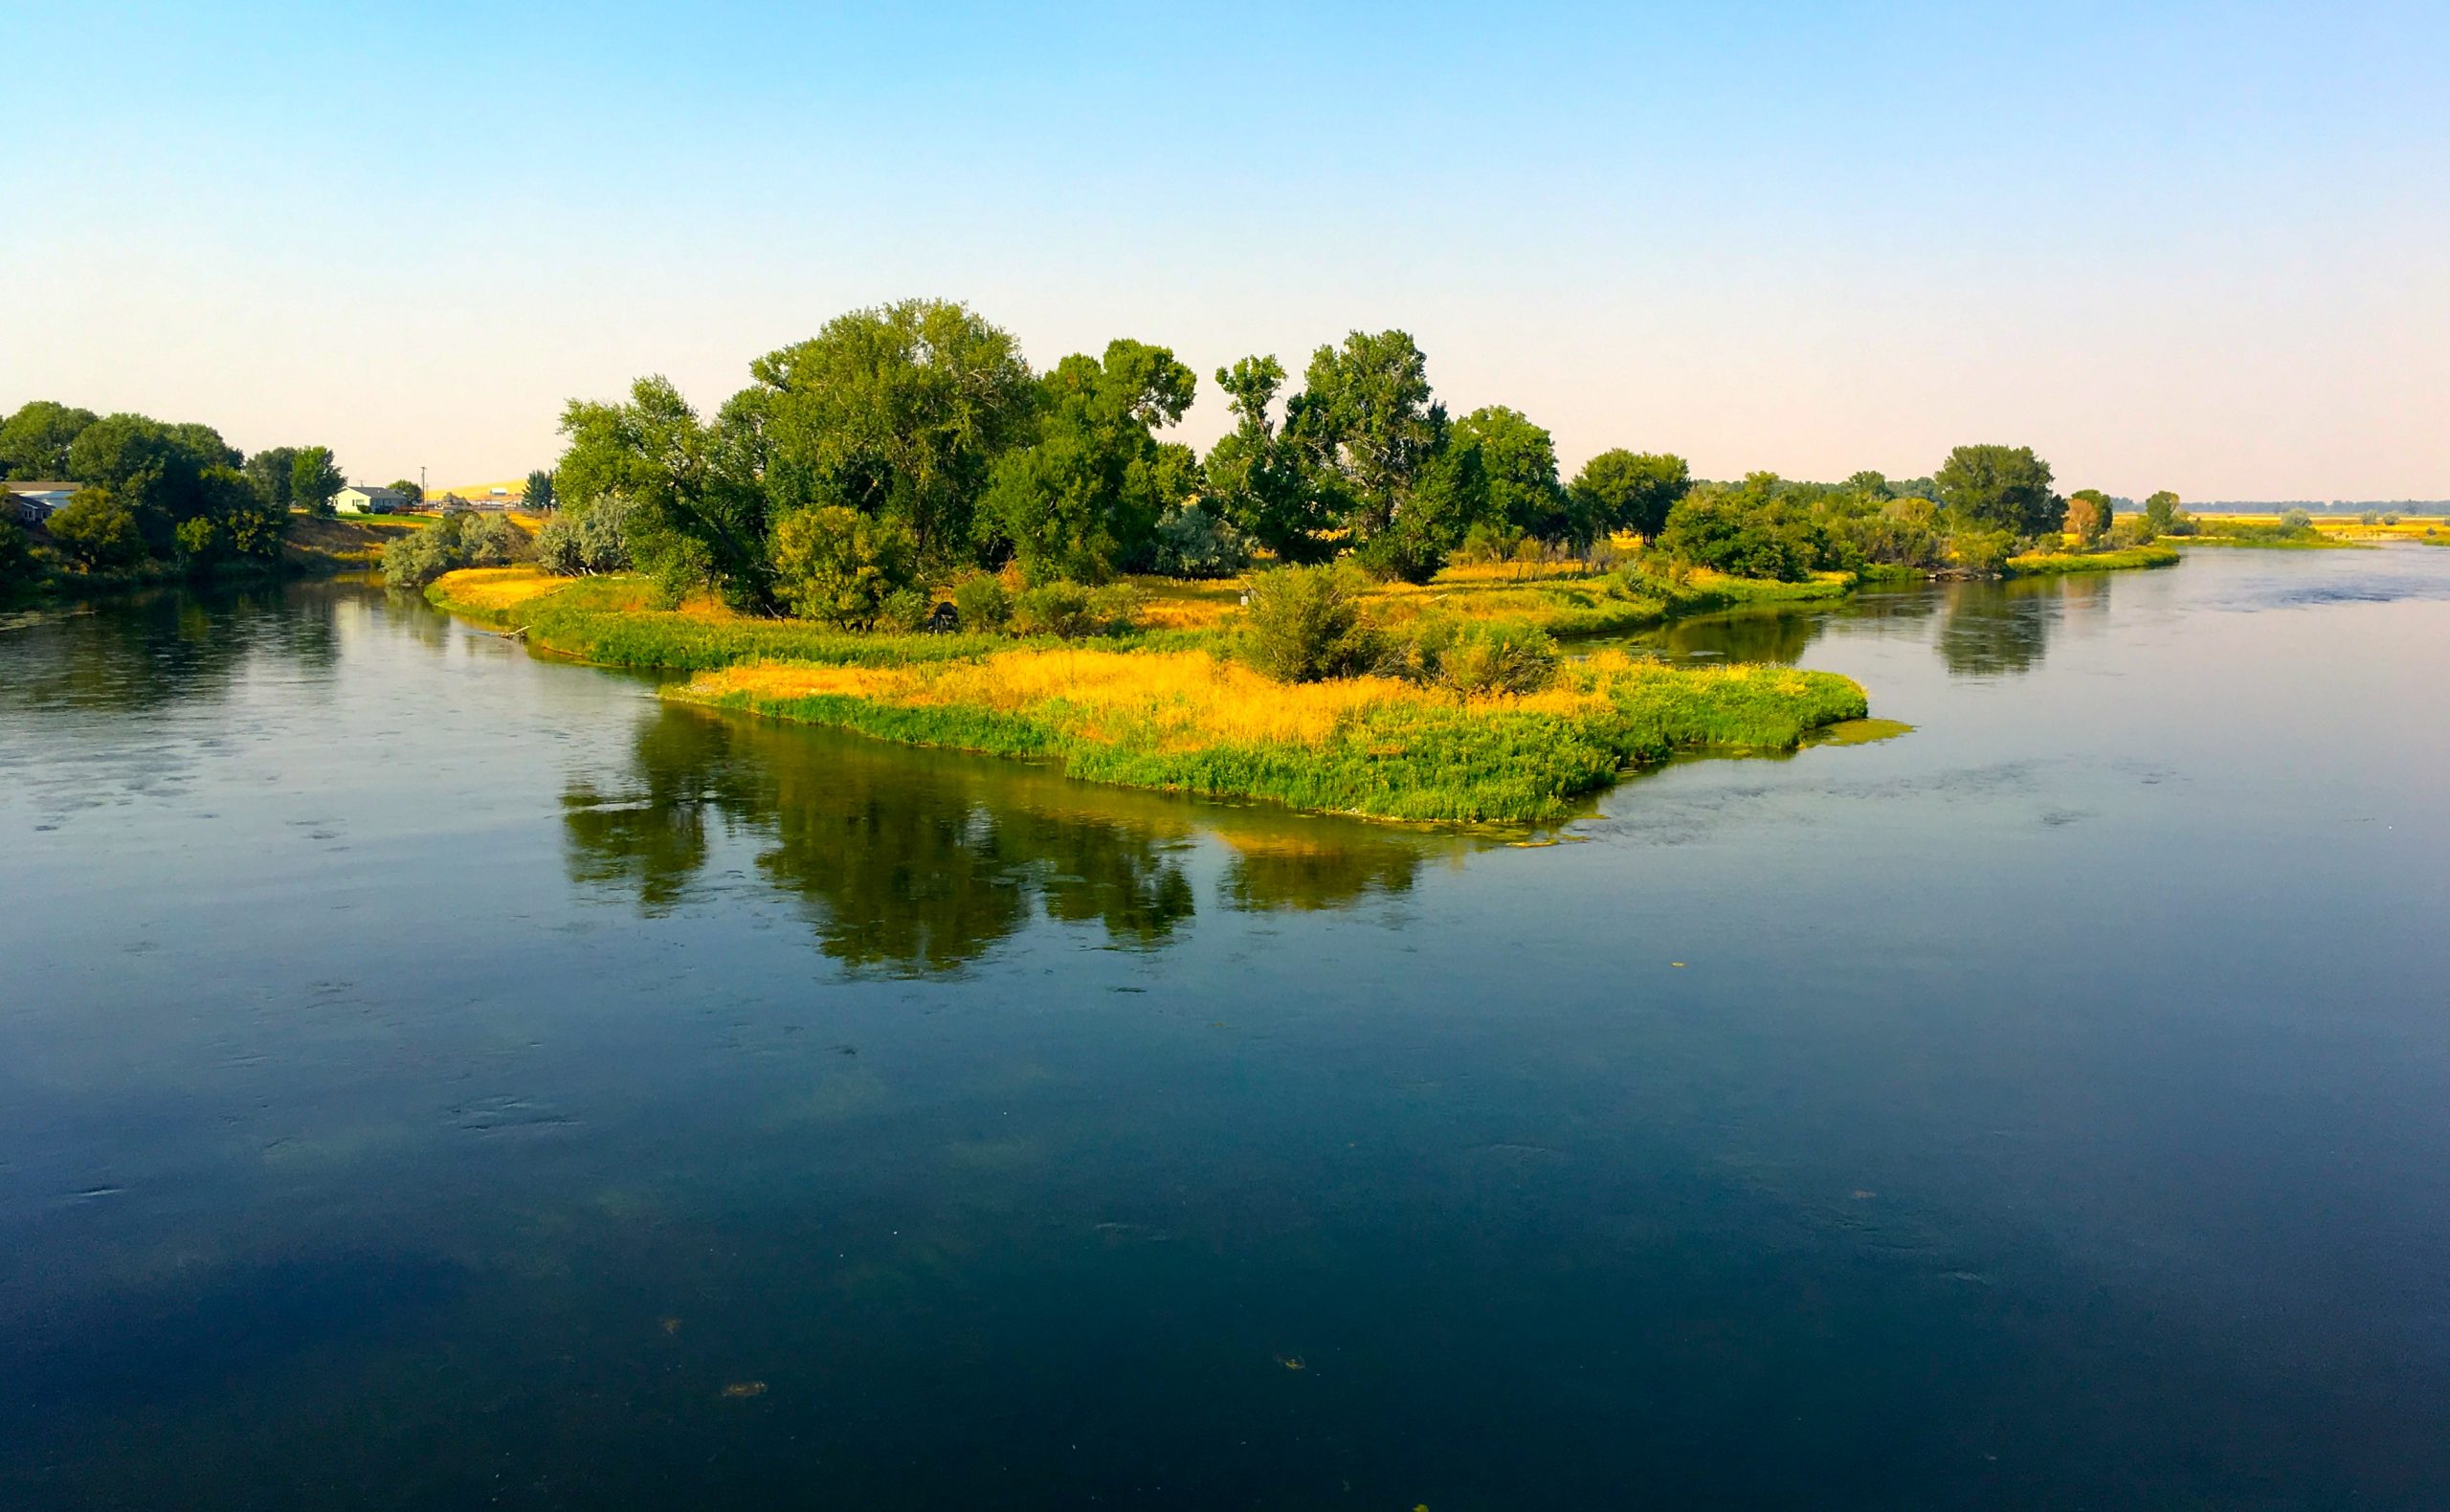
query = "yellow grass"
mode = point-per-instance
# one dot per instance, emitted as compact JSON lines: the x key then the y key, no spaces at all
{"x":1177,"y":700}
{"x":501,"y":587}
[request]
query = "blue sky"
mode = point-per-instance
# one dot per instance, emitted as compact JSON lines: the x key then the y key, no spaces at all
{"x":2188,"y":246}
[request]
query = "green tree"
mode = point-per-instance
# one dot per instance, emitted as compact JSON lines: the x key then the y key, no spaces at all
{"x":155,"y":470}
{"x":696,"y":510}
{"x":1366,"y":419}
{"x":2161,"y":511}
{"x":1621,"y":490}
{"x":839,"y":567}
{"x":408,"y":489}
{"x":269,"y":469}
{"x":900,"y":410}
{"x":540,"y":491}
{"x":1753,"y":530}
{"x":314,"y":479}
{"x":36,"y":440}
{"x":98,"y":532}
{"x":1085,"y":498}
{"x":1519,"y":467}
{"x":1254,"y":476}
{"x":2005,"y":487}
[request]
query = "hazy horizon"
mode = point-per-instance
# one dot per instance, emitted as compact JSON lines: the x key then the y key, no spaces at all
{"x":2168,"y":247}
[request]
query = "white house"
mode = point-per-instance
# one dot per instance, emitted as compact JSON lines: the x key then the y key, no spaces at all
{"x":356,"y":501}
{"x":31,"y":503}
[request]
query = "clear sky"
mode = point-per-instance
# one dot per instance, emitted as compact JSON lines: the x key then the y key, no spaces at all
{"x":2204,"y":247}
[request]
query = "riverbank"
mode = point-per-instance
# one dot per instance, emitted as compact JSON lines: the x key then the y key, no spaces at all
{"x":2126,"y":559}
{"x":1169,"y":706}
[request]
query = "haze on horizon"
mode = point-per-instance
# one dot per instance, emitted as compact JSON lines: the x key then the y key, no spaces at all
{"x":2179,"y":246}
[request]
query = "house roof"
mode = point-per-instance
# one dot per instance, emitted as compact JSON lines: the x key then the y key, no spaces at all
{"x":372,"y":492}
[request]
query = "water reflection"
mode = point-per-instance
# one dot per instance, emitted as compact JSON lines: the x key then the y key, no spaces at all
{"x":161,"y":648}
{"x":1978,"y":629}
{"x":922,"y":861}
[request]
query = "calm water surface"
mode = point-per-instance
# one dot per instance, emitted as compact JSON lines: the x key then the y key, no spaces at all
{"x":432,"y":1078}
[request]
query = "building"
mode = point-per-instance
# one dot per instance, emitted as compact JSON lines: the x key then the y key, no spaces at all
{"x":359,"y":500}
{"x":31,"y":503}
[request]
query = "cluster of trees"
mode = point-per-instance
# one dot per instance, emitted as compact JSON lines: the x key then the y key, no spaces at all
{"x":912,"y":442}
{"x":1982,"y":505}
{"x":157,"y":491}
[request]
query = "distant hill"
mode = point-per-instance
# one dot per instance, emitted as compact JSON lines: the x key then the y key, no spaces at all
{"x":512,"y":489}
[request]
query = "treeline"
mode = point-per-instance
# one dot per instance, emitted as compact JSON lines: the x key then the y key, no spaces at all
{"x":154,"y":492}
{"x":1983,"y":505}
{"x":912,"y":443}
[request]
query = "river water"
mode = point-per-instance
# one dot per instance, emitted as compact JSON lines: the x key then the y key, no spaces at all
{"x":432,"y":1077}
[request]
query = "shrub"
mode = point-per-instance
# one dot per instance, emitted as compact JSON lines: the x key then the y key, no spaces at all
{"x":419,"y":557}
{"x":491,"y":541}
{"x":98,"y":532}
{"x":1304,"y":624}
{"x":982,"y":602}
{"x":839,"y":567}
{"x":1973,"y":549}
{"x":2296,"y":520}
{"x":1115,"y":609}
{"x":579,"y":543}
{"x":1489,"y":542}
{"x":1054,"y":608}
{"x":905,"y":610}
{"x":1497,"y":657}
{"x":2390,"y":518}
{"x":1191,"y":543}
{"x":1400,"y":553}
{"x":1740,"y":536}
{"x":19,"y":571}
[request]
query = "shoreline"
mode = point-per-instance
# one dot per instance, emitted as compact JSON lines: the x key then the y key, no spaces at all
{"x":1168,"y":708}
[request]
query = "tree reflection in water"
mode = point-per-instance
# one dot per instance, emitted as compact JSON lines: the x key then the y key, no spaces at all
{"x":922,"y":861}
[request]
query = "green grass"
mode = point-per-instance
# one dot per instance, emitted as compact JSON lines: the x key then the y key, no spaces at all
{"x":2045,"y":564}
{"x":1413,"y":759}
{"x":1399,"y":761}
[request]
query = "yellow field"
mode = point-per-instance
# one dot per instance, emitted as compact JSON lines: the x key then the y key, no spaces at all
{"x":1170,"y":700}
{"x":501,"y":587}
{"x":2345,"y":527}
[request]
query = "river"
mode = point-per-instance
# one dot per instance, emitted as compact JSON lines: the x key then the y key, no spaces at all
{"x":433,"y":1076}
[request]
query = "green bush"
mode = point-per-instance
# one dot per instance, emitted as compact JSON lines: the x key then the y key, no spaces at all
{"x":1740,"y":535}
{"x":1498,"y":657}
{"x":1489,"y":542}
{"x":1400,"y":553}
{"x":905,"y":610}
{"x":1192,"y":543}
{"x":980,"y":599}
{"x":20,"y":570}
{"x":839,"y":567}
{"x":1972,"y":550}
{"x":98,"y":532}
{"x":1304,"y":624}
{"x":1115,"y":609}
{"x":583,"y":542}
{"x":1054,"y":608}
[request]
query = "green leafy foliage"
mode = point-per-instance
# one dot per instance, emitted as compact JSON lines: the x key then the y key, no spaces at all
{"x":314,"y":479}
{"x":1305,"y":623}
{"x":1256,"y":479}
{"x":96,"y":531}
{"x":36,"y":440}
{"x":1194,"y":542}
{"x":981,"y":600}
{"x":583,"y":542}
{"x":1621,"y":490}
{"x":2000,"y":487}
{"x":1083,"y":499}
{"x":839,"y":567}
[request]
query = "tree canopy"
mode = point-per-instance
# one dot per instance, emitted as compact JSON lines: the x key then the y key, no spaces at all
{"x":2005,"y":487}
{"x":1084,"y":499}
{"x":1621,"y":490}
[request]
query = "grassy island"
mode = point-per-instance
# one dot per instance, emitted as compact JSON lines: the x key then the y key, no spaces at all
{"x":1174,"y":706}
